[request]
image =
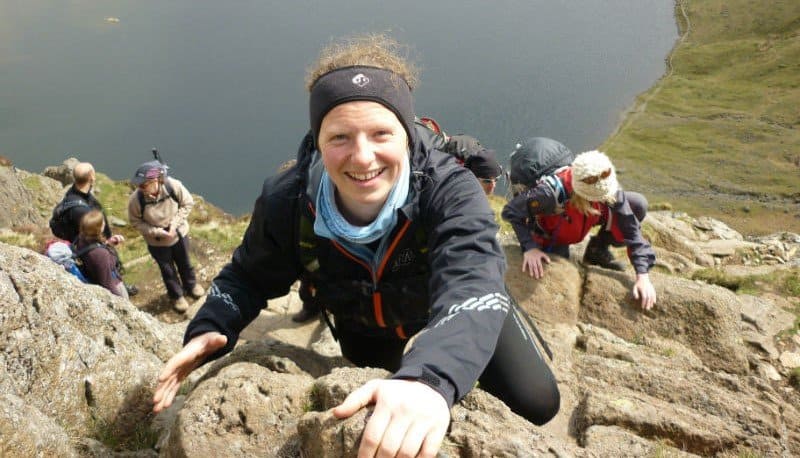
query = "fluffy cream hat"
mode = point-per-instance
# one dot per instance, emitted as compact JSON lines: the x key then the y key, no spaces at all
{"x":593,"y":164}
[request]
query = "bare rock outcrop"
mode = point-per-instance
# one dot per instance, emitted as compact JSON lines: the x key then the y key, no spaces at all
{"x":16,"y":199}
{"x":701,"y":316}
{"x":26,"y":431}
{"x":244,"y":410}
{"x":63,"y":172}
{"x":707,"y":242}
{"x":703,"y":373}
{"x":552,"y":299}
{"x":80,"y":358}
{"x":481,"y":424}
{"x":660,"y":393}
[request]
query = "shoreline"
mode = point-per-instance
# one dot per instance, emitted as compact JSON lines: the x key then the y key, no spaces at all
{"x":716,"y":135}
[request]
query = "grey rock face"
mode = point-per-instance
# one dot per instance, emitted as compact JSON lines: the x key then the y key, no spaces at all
{"x":76,"y":353}
{"x":15,"y":201}
{"x":62,"y":173}
{"x":244,"y":410}
{"x":26,"y":431}
{"x":702,"y":317}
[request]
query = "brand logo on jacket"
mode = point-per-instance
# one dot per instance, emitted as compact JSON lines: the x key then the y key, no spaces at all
{"x":360,"y":80}
{"x":404,"y":258}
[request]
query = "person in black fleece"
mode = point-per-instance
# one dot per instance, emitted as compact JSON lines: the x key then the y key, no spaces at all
{"x":398,"y":242}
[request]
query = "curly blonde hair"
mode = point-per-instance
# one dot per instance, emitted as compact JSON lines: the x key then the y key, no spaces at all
{"x":374,"y":50}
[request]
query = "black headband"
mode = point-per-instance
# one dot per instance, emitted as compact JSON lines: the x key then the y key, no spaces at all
{"x":361,"y":83}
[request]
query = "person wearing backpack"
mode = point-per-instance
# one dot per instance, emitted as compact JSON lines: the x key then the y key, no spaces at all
{"x":60,"y":252}
{"x":561,"y":208}
{"x":77,"y":201}
{"x":400,"y":245}
{"x":486,"y":169}
{"x":99,"y":260}
{"x":159,"y":209}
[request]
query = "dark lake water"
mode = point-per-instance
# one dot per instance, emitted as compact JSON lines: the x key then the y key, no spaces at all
{"x":218,"y":86}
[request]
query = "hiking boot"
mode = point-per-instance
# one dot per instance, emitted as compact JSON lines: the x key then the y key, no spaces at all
{"x":180,"y":304}
{"x":131,"y":289}
{"x":597,"y":253}
{"x":305,"y":314}
{"x":197,"y":291}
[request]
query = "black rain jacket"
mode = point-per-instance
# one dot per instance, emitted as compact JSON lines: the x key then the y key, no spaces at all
{"x":465,"y":300}
{"x":76,"y":213}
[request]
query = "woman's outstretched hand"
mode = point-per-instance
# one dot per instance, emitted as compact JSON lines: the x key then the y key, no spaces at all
{"x":409,"y":419}
{"x":182,"y":364}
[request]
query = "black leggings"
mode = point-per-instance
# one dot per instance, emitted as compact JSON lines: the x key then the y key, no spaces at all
{"x":517,"y":373}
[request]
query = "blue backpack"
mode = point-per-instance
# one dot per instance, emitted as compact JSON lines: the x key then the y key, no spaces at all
{"x":60,"y":252}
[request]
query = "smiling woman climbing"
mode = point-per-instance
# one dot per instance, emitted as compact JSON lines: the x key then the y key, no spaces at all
{"x":395,"y":241}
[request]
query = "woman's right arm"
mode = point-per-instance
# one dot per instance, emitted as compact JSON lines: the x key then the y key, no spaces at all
{"x":519,"y":211}
{"x":264,"y":266}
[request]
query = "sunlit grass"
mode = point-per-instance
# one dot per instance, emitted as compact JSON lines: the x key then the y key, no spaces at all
{"x":718,"y":135}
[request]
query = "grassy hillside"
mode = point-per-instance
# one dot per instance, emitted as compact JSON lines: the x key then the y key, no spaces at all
{"x":718,"y":134}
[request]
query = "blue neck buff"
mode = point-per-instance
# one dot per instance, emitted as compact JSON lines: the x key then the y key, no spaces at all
{"x":332,"y":225}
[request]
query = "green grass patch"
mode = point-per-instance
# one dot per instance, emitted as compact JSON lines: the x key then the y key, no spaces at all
{"x":791,"y":284}
{"x":784,"y":282}
{"x":719,"y":278}
{"x":140,"y":438}
{"x":497,"y":203}
{"x":787,"y":333}
{"x":715,"y":135}
{"x":222,"y":237}
{"x":22,"y":240}
{"x":314,"y":400}
{"x":33,"y":183}
{"x":749,"y":453}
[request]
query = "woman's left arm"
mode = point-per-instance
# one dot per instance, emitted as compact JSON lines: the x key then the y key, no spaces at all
{"x":640,"y":252}
{"x":467,"y":294}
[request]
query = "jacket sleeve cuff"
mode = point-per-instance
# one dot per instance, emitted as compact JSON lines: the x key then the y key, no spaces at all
{"x":201,"y":327}
{"x":529,"y":245}
{"x":440,"y":384}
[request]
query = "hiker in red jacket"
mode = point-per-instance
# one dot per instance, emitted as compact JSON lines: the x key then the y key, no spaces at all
{"x":562,"y":208}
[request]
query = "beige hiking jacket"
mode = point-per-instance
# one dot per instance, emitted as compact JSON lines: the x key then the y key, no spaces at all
{"x":161,"y":213}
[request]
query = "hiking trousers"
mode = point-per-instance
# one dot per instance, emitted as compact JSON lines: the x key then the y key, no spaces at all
{"x":176,"y":267}
{"x":517,"y":373}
